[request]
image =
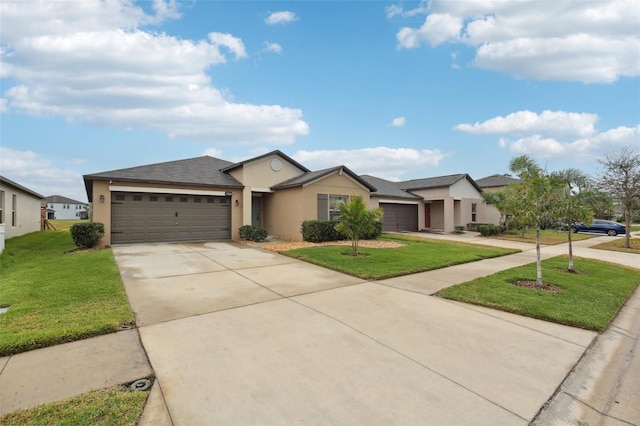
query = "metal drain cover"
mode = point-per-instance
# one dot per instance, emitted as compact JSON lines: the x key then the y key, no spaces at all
{"x":140,"y":385}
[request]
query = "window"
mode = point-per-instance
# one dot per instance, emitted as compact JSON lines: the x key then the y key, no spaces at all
{"x":168,"y":199}
{"x":1,"y":206}
{"x":153,"y":198}
{"x":137,"y":198}
{"x":329,"y":206}
{"x":197,"y":200}
{"x":183,"y":199}
{"x":474,"y":210}
{"x":14,"y":206}
{"x":119,"y":197}
{"x":51,"y":205}
{"x":210,"y":200}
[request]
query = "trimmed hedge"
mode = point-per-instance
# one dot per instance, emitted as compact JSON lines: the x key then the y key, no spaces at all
{"x":489,"y":229}
{"x":87,"y":234}
{"x":319,"y":231}
{"x":253,"y":233}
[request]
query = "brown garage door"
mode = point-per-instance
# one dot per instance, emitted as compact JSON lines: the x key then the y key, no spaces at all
{"x":143,"y":218}
{"x":399,"y":217}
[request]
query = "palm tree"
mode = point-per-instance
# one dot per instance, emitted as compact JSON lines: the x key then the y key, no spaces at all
{"x":355,"y":219}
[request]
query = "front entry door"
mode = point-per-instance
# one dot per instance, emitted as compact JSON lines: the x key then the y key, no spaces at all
{"x":256,"y":207}
{"x":427,"y":215}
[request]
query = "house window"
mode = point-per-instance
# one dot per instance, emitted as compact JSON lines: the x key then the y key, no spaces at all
{"x":153,"y":198}
{"x":120,"y":197}
{"x":14,"y":206}
{"x":329,"y":206}
{"x":197,"y":200}
{"x":474,"y":210}
{"x":51,"y":205}
{"x":1,"y":206}
{"x":183,"y":199}
{"x":137,"y":198}
{"x":168,"y":199}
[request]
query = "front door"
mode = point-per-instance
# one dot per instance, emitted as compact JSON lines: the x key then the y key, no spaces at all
{"x":256,"y":207}
{"x":427,"y":215}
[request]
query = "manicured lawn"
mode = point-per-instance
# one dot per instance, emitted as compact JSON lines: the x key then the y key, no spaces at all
{"x":113,"y":406}
{"x":65,"y":224}
{"x":617,"y":244}
{"x":588,"y":299}
{"x":547,"y":237}
{"x":55,"y":297}
{"x":418,"y":255}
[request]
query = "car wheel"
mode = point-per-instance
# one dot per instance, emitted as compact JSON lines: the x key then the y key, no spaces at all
{"x":574,"y":229}
{"x":612,"y":232}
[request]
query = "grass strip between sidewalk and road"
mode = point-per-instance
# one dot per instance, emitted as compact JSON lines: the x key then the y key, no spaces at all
{"x":113,"y":406}
{"x":53,"y":297}
{"x":418,"y":255}
{"x":587,"y":299}
{"x":547,"y":237}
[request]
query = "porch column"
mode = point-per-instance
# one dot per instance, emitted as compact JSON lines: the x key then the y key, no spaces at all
{"x":449,"y":215}
{"x":246,"y":206}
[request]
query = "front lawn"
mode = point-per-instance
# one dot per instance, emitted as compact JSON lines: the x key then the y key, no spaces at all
{"x":419,"y":254}
{"x":113,"y":406}
{"x":588,"y":299}
{"x":53,"y":297}
{"x":617,"y":244}
{"x":547,"y":237}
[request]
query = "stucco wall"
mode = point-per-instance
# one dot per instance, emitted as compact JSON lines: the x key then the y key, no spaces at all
{"x":464,"y":189}
{"x":27,"y":212}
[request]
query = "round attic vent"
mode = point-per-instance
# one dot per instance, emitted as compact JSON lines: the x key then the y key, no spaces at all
{"x":276,"y":165}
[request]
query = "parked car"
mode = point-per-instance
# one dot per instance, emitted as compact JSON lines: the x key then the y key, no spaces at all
{"x":608,"y":227}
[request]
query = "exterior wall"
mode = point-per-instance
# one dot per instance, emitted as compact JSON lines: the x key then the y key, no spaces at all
{"x":437,"y":214}
{"x":432,"y":194}
{"x":490,"y":213}
{"x":73,"y":212}
{"x":464,"y":189}
{"x":27,"y":210}
{"x":101,"y":211}
{"x":288,"y":208}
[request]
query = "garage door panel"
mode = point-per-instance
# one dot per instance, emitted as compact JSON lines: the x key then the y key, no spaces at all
{"x":399,"y":217}
{"x":139,"y":218}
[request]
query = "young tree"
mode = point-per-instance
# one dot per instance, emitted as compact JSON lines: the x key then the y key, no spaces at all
{"x":621,"y":180}
{"x":537,"y":198}
{"x":571,"y":202}
{"x":355,"y":219}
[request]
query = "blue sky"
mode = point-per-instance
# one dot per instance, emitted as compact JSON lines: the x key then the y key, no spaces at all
{"x":400,"y":90}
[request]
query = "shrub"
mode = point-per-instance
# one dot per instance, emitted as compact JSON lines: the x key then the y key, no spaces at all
{"x":487,"y":229}
{"x":252,"y":233}
{"x":459,"y":229}
{"x":484,"y":230}
{"x":318,"y":231}
{"x":377,"y":231}
{"x":87,"y":234}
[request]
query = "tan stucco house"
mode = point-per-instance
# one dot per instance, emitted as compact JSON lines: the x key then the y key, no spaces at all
{"x":439,"y":203}
{"x":495,"y":183}
{"x":19,"y":209}
{"x":206,"y":198}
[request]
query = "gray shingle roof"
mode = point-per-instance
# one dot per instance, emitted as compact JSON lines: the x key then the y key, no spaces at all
{"x":9,"y":182}
{"x":61,"y":199}
{"x":436,"y":182}
{"x":319,"y":174}
{"x":387,"y":188}
{"x":496,"y":180}
{"x":205,"y":171}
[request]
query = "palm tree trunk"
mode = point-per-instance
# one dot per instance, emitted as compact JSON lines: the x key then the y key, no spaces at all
{"x":538,"y":259}
{"x":571,"y":268}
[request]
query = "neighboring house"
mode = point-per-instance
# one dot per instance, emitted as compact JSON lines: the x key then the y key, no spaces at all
{"x":438,"y":203}
{"x":206,"y":198}
{"x":19,"y":208}
{"x":59,"y":207}
{"x":495,"y":183}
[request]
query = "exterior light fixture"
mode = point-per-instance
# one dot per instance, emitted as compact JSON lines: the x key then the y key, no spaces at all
{"x":102,"y":198}
{"x":237,"y":202}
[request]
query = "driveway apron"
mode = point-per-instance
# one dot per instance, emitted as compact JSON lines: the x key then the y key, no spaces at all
{"x":237,"y":335}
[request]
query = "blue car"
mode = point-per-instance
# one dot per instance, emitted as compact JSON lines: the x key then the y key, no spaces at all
{"x":602,"y":226}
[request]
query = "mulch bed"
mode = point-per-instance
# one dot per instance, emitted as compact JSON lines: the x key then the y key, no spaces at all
{"x":535,"y":286}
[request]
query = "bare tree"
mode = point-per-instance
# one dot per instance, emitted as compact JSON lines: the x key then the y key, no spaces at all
{"x":621,"y":180}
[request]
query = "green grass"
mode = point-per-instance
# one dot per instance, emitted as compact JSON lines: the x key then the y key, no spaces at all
{"x":65,"y":224}
{"x":418,"y":255}
{"x":589,"y":299}
{"x":113,"y":406}
{"x":55,"y":297}
{"x":617,"y":244}
{"x":635,"y":228}
{"x":547,"y":237}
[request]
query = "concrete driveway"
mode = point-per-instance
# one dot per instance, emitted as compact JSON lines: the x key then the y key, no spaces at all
{"x":237,"y":335}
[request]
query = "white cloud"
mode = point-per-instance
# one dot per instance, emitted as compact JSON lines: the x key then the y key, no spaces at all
{"x":592,"y":42}
{"x":91,"y":63}
{"x":556,"y":123}
{"x":398,"y":10}
{"x":213,"y":152}
{"x":271,"y":47}
{"x":399,"y":121}
{"x":383,"y":162}
{"x":4,"y":105}
{"x":283,"y":17}
{"x":38,"y":174}
{"x":555,"y":134}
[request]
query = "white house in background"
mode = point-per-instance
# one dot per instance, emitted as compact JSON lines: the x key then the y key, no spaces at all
{"x":59,"y":207}
{"x":19,"y":209}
